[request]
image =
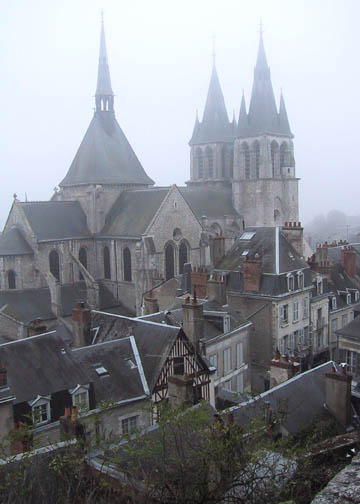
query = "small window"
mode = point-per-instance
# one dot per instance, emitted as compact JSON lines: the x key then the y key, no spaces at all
{"x":290,"y":280}
{"x":129,"y":425}
{"x":227,"y":360}
{"x":320,"y":288}
{"x":40,"y":414}
{"x":127,"y":265}
{"x":344,"y":319}
{"x":107,"y":266}
{"x":239,"y":354}
{"x":300,"y":280}
{"x":284,"y":314}
{"x":348,"y":298}
{"x":305,"y":308}
{"x":296,"y":311}
{"x":54,"y":264}
{"x":12,"y":279}
{"x":357,"y":296}
{"x":333,"y":303}
{"x":247,"y":235}
{"x":179,"y":366}
{"x":214,"y":361}
{"x":81,"y":400}
{"x":101,"y":371}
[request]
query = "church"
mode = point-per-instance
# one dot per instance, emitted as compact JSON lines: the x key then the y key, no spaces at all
{"x":109,"y":234}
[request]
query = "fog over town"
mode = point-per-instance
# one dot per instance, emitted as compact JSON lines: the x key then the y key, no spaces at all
{"x":160,"y":56}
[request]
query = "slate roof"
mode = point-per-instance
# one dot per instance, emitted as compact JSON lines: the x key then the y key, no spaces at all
{"x":263,"y":116}
{"x":12,"y":242}
{"x":153,"y":341}
{"x":334,"y":253}
{"x":40,"y":365}
{"x":351,"y":330}
{"x":133,"y":211}
{"x":215,"y":126}
{"x":276,"y":261}
{"x":30,"y":304}
{"x":105,"y":157}
{"x":56,"y":220}
{"x":213,"y":203}
{"x":213,"y":325}
{"x":301,"y":398}
{"x":117,"y":357}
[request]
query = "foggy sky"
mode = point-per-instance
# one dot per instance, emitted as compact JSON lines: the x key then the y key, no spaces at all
{"x":160,"y":56}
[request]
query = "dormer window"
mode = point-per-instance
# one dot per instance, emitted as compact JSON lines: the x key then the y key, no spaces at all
{"x":333,"y":303}
{"x":80,"y":397}
{"x":226,"y":324}
{"x":290,"y":280}
{"x":300,"y":276}
{"x":348,"y":298}
{"x":40,"y":409}
{"x":319,"y":287}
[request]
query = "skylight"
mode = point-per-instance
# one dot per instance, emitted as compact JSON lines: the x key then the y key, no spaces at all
{"x":101,"y":371}
{"x":247,"y":235}
{"x":245,"y":253}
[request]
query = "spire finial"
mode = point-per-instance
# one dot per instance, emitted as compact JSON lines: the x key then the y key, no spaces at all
{"x":213,"y":47}
{"x":102,"y":16}
{"x":261,"y":28}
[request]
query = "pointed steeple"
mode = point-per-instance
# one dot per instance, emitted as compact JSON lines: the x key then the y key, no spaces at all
{"x":104,"y":96}
{"x":263,"y":116}
{"x":283,"y":118}
{"x":215,"y":126}
{"x":242,"y":128}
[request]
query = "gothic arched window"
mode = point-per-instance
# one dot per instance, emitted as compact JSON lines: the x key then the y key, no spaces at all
{"x":127,"y":265}
{"x":11,"y":279}
{"x":210,"y":161}
{"x":283,"y":155}
{"x":54,"y":264}
{"x":183,"y":256}
{"x":246,"y":154}
{"x":274,"y":158}
{"x":256,"y":148}
{"x":199,"y":162}
{"x":107,"y":266}
{"x":83,"y":260}
{"x":169,"y":262}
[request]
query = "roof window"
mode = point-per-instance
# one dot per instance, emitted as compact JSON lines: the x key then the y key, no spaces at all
{"x":247,"y":235}
{"x":101,"y":371}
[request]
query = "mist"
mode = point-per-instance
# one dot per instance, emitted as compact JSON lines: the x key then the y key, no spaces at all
{"x":160,"y":56}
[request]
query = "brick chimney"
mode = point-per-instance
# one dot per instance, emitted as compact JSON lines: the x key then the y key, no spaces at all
{"x":348,"y":260}
{"x":282,"y":369}
{"x":193,"y":321}
{"x":252,"y":274}
{"x":216,"y":289}
{"x":322,"y":259}
{"x":180,"y":390}
{"x":151,"y":304}
{"x":81,"y":325}
{"x":293,"y":231}
{"x":338,"y":394}
{"x":217,"y":248}
{"x":199,"y":279}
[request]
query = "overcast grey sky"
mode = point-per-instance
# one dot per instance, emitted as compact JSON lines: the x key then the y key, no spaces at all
{"x":160,"y":55}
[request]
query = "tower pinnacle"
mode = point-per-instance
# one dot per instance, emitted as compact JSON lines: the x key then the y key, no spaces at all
{"x":104,"y":96}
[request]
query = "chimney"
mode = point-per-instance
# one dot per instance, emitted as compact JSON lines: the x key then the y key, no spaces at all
{"x":199,"y":279}
{"x":293,"y":231}
{"x":216,"y":290}
{"x":252,"y":274}
{"x":338,"y":394}
{"x":217,"y":249}
{"x":81,"y":325}
{"x":151,"y":304}
{"x":193,"y":321}
{"x":180,"y":390}
{"x":281,"y":369}
{"x":348,"y":260}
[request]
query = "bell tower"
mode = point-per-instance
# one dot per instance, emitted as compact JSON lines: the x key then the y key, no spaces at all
{"x":265,"y":187}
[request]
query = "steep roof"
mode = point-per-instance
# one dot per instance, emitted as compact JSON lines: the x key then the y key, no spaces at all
{"x":215,"y":126}
{"x":133,"y":211}
{"x":123,"y":380}
{"x":208,"y":201}
{"x":12,"y":242}
{"x":263,"y":116}
{"x":301,"y":398}
{"x":105,"y":156}
{"x":31,"y":363}
{"x":56,"y":220}
{"x":153,"y":341}
{"x":103,"y":81}
{"x":351,"y":330}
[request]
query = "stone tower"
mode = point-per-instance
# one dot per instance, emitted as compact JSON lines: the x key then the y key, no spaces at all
{"x":211,"y":155}
{"x":105,"y":163}
{"x":265,"y":188}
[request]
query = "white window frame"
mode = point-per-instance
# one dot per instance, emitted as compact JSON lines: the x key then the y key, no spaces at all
{"x":351,"y":358}
{"x":284,"y":314}
{"x":129,"y":424}
{"x":78,"y":391}
{"x":344,"y":319}
{"x":239,"y":354}
{"x":305,"y":308}
{"x":348,"y":298}
{"x":39,"y":402}
{"x":301,"y":282}
{"x":290,"y":282}
{"x":295,"y":311}
{"x":333,"y":303}
{"x":227,"y":360}
{"x":334,"y":327}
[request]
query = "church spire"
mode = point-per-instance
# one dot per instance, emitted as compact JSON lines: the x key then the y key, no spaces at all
{"x":104,"y":96}
{"x":283,"y":118}
{"x":242,"y":129}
